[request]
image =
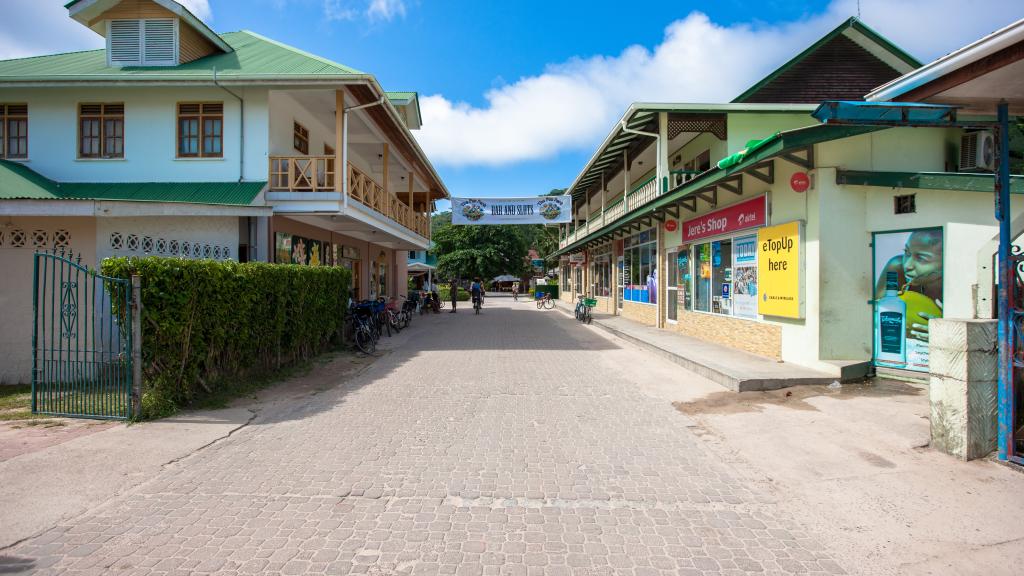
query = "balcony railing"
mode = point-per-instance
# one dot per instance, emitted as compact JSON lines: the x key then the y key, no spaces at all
{"x":317,"y":174}
{"x":642,"y":195}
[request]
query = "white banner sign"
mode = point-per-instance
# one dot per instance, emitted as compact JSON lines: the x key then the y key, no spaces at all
{"x":537,"y":210}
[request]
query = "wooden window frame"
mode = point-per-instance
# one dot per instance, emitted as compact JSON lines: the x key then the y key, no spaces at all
{"x":201,"y":118}
{"x":103,"y":116}
{"x":5,"y":117}
{"x":300,"y":135}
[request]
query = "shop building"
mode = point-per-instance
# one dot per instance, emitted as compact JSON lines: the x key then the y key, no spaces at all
{"x":752,"y":225}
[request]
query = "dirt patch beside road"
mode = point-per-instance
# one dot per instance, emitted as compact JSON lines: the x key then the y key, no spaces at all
{"x":796,"y":397}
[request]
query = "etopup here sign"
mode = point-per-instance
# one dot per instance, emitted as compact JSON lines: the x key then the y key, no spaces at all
{"x":536,"y":210}
{"x":780,"y":269}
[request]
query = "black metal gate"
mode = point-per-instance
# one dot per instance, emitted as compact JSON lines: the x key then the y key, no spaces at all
{"x":81,"y":340}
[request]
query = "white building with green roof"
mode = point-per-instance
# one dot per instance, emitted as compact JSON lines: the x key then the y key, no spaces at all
{"x":175,"y":140}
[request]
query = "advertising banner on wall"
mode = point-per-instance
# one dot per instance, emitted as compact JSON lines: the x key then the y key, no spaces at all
{"x":908,"y":276}
{"x":780,"y":270}
{"x":535,"y":210}
{"x":744,"y":276}
{"x":291,"y":249}
{"x":740,"y":216}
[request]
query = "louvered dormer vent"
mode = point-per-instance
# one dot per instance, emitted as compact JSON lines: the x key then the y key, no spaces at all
{"x":148,"y":42}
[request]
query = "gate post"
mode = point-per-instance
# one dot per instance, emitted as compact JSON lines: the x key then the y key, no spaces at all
{"x":136,"y":346}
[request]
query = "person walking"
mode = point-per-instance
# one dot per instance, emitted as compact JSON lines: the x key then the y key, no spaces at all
{"x":454,"y":290}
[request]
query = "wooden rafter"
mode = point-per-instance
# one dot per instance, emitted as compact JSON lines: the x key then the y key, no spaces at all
{"x":689,"y":203}
{"x":765,"y":171}
{"x":672,"y":210}
{"x":709,"y":195}
{"x":733,"y":184}
{"x":803,"y":157}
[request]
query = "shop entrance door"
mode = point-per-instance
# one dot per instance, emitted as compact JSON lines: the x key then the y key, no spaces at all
{"x":672,"y":288}
{"x":620,"y":274}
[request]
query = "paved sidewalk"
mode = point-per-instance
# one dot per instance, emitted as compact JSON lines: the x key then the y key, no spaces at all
{"x":737,"y":370}
{"x":512,"y":442}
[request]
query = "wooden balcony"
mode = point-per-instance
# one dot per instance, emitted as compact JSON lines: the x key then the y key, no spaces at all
{"x":317,"y":174}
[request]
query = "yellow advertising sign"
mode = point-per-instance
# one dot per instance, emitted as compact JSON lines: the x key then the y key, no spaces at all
{"x":780,"y":270}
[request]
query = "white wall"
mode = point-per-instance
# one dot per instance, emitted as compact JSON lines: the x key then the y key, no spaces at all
{"x":212,"y":231}
{"x":150,"y":134}
{"x":746,"y":126}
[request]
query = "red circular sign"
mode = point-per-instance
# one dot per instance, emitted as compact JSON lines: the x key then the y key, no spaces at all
{"x":800,"y":182}
{"x":671,"y":225}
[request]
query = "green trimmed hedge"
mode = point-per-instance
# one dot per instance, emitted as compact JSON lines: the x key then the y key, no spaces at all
{"x":205,"y":323}
{"x":446,"y":294}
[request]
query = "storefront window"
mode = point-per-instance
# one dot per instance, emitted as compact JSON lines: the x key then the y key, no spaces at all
{"x":601,"y":270}
{"x":565,"y":279}
{"x":685,"y":278}
{"x":724,"y":277}
{"x":578,"y":285}
{"x":640,"y":258}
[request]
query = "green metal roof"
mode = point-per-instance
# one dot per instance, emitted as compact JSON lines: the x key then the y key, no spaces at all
{"x":956,"y":181}
{"x":852,"y":22}
{"x":18,"y":182}
{"x":770,"y":147}
{"x":255,"y":57}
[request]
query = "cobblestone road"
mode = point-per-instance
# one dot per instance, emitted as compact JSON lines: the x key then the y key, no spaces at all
{"x":514,"y":442}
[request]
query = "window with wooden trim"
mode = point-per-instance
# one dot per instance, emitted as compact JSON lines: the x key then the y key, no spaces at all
{"x":301,"y":138}
{"x":13,"y":131}
{"x":101,"y":130}
{"x":200,"y":130}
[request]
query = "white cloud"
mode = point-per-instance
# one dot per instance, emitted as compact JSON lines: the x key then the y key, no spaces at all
{"x":20,"y":30}
{"x":199,"y":8}
{"x":339,"y":10}
{"x":386,"y":9}
{"x":20,"y":25}
{"x":572,"y":105}
{"x":374,"y":10}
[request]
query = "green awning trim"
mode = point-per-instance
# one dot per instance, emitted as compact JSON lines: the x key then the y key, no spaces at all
{"x":955,"y":181}
{"x":19,"y":182}
{"x":751,"y":147}
{"x":770,"y":147}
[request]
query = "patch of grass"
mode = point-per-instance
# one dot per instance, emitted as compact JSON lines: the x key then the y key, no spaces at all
{"x":16,"y":403}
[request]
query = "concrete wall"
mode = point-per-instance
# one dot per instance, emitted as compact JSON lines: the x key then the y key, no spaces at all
{"x":216,"y":237}
{"x":746,"y":126}
{"x":16,"y":283}
{"x":150,"y":141}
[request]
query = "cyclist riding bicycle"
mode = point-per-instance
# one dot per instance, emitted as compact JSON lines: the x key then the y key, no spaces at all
{"x":476,"y":290}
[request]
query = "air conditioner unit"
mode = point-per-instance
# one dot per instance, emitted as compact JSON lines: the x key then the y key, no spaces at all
{"x":977,"y":152}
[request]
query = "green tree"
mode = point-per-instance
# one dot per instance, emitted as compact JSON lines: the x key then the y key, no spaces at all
{"x":484,"y":251}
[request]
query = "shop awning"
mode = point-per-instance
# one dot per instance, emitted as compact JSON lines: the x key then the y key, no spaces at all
{"x":956,"y":181}
{"x":780,"y":144}
{"x":885,"y":113}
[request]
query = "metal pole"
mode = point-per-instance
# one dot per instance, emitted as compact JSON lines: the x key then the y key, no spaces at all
{"x":1004,"y":409}
{"x":136,"y":309}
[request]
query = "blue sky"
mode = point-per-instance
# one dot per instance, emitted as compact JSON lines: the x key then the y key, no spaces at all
{"x":517,"y":95}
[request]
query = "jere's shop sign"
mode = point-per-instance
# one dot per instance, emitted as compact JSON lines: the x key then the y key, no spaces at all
{"x":746,"y":214}
{"x":780,"y":270}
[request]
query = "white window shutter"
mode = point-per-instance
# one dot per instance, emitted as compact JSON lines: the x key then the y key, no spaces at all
{"x":160,"y":42}
{"x":124,"y":43}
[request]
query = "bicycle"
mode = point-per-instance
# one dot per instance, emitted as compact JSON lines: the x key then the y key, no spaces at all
{"x":584,"y":306}
{"x":545,"y":302}
{"x":364,"y":335}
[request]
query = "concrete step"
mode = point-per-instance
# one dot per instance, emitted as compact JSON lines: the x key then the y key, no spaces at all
{"x":734,"y":369}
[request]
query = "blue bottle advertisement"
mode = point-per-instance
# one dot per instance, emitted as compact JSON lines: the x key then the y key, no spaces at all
{"x":908,"y":273}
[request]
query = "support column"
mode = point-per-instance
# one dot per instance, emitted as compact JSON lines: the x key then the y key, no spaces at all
{"x":384,"y":184}
{"x":625,"y":178}
{"x":1004,"y":404}
{"x":662,"y":161}
{"x":340,"y":170}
